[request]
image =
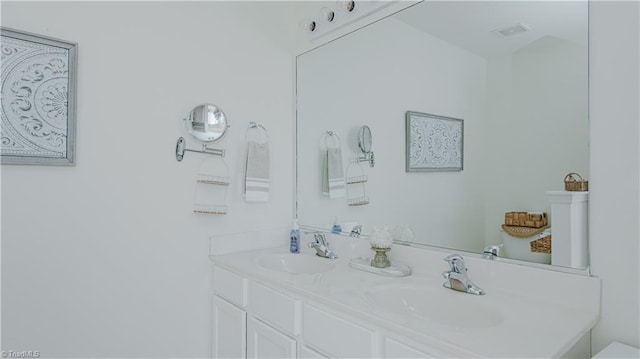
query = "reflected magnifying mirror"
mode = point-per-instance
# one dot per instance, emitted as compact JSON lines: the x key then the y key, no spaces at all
{"x":364,"y":142}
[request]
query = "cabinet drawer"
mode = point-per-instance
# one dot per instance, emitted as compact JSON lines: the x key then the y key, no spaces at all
{"x":277,"y":309}
{"x":335,"y":336}
{"x":230,"y":286}
{"x":396,"y":349}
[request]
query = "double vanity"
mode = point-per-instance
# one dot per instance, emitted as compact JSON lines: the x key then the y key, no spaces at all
{"x":271,"y":303}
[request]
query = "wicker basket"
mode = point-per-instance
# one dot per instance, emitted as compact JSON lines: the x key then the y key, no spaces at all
{"x":522,"y":232}
{"x":542,"y":245}
{"x":529,"y":244}
{"x":525,"y":219}
{"x":574,"y":182}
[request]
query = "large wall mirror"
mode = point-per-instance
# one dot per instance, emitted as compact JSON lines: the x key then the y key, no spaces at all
{"x":515,"y":72}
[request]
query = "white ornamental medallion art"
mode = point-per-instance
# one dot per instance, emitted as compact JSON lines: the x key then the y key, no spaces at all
{"x":434,"y":143}
{"x":36,"y":122}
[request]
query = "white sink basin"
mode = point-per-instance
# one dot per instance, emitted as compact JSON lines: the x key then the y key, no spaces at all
{"x":295,"y":263}
{"x":438,"y":304}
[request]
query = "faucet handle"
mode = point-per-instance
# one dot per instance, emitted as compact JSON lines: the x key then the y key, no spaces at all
{"x":356,"y":231}
{"x":320,"y":239}
{"x":456,"y":262}
{"x":492,"y":251}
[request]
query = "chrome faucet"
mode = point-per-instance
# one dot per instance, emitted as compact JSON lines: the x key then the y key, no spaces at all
{"x":456,"y":277}
{"x":356,"y":231}
{"x":321,"y":246}
{"x":492,"y":252}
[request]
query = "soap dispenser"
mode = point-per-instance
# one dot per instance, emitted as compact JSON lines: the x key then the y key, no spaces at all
{"x":336,"y":228}
{"x":294,"y":236}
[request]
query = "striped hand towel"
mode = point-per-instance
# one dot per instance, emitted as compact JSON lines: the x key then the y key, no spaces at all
{"x":333,"y":183}
{"x":256,"y":186}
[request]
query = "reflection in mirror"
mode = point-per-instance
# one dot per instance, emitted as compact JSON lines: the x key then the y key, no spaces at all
{"x":207,"y":123}
{"x":516,"y":72}
{"x":364,"y":143}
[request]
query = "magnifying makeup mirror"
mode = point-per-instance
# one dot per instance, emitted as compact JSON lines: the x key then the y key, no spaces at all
{"x":207,"y":123}
{"x":364,"y":139}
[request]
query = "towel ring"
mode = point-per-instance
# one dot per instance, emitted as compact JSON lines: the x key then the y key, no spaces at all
{"x":334,"y":136}
{"x":257,"y":126}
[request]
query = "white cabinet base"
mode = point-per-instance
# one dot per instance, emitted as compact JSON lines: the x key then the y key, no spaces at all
{"x":266,"y":342}
{"x":308,"y":353}
{"x":335,"y":335}
{"x":229,"y":330}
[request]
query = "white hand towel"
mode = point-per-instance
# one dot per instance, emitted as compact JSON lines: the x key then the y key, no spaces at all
{"x":256,"y":187}
{"x":333,"y":183}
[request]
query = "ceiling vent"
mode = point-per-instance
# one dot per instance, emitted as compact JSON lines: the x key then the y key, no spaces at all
{"x":512,"y":30}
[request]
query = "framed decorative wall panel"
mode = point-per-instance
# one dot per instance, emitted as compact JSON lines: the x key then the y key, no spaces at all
{"x":38,"y":85}
{"x":433,"y":143}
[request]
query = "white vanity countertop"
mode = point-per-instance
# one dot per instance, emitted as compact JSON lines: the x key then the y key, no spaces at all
{"x":526,"y":312}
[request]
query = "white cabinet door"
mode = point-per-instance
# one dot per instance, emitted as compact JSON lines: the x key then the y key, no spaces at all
{"x":266,"y":342}
{"x":229,"y":330}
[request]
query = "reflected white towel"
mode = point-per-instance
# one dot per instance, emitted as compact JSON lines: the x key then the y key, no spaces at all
{"x":333,"y":183}
{"x":256,"y":186}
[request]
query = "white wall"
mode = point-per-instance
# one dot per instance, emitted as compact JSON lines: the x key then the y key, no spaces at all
{"x":106,"y":259}
{"x":355,"y":81}
{"x":614,"y":46}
